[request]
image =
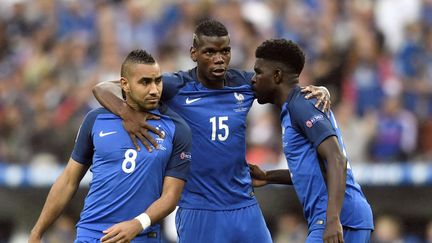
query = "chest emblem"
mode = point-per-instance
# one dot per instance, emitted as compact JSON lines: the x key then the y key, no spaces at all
{"x":239,"y":97}
{"x":160,"y":140}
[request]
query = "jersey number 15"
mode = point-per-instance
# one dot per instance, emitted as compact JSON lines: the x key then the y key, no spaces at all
{"x":220,"y":128}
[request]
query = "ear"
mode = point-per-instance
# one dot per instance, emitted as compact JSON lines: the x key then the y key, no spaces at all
{"x":277,"y":76}
{"x":193,"y":53}
{"x":124,"y":84}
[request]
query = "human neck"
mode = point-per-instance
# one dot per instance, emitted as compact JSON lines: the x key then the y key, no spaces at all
{"x":282,"y":95}
{"x":134,"y":105}
{"x":210,"y":84}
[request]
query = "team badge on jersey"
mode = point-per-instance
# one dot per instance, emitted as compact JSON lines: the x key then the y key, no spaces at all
{"x":240,"y":98}
{"x":160,"y":140}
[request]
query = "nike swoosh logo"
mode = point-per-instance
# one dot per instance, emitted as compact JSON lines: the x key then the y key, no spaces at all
{"x":102,"y":134}
{"x":190,"y":101}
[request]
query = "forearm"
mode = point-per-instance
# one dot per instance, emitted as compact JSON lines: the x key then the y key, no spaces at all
{"x":278,"y":177}
{"x":109,"y":96}
{"x":336,"y":183}
{"x":163,"y":206}
{"x":160,"y":208}
{"x":60,"y":194}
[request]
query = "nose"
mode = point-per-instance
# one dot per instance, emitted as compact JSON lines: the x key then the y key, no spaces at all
{"x":253,"y":80}
{"x":218,"y":58}
{"x":153,"y":89}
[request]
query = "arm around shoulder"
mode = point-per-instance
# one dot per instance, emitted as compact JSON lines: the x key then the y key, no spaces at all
{"x":109,"y":95}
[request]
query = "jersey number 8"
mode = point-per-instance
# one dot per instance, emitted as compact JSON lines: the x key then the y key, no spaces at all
{"x":130,"y":156}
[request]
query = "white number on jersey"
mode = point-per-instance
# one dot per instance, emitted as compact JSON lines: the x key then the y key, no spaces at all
{"x":130,"y":156}
{"x":220,"y":124}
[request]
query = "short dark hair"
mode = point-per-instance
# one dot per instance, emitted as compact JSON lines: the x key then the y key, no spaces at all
{"x":209,"y":27}
{"x":284,"y":51}
{"x":136,"y":56}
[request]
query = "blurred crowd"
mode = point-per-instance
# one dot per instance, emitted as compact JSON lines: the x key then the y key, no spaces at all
{"x":375,"y":57}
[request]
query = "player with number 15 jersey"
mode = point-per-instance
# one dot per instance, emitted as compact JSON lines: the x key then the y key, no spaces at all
{"x":219,"y":178}
{"x":218,"y":198}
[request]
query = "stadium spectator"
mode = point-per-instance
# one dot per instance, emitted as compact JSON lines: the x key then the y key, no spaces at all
{"x":291,"y":228}
{"x":395,"y":135}
{"x":388,"y":230}
{"x":429,"y":232}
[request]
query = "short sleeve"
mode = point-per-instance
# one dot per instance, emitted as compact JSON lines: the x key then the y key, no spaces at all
{"x":83,"y":149}
{"x":178,"y":166}
{"x":172,"y":82}
{"x":310,"y":121}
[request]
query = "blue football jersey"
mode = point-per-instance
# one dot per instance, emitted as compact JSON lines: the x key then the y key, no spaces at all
{"x":126,"y":181}
{"x":219,"y":176}
{"x":304,"y":127}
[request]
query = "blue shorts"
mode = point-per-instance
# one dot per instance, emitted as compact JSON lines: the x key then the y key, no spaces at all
{"x":155,"y":237}
{"x":244,"y":225}
{"x":350,"y":235}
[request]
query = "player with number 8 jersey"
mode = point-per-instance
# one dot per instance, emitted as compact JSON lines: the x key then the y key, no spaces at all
{"x":131,"y":190}
{"x":126,"y":181}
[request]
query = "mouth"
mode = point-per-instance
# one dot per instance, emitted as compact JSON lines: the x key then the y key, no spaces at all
{"x":218,"y":72}
{"x":155,"y":100}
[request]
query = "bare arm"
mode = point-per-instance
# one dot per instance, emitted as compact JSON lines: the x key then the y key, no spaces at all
{"x":59,"y":196}
{"x":159,"y":209}
{"x":109,"y":95}
{"x":171,"y":193}
{"x":336,"y":180}
{"x":261,"y":178}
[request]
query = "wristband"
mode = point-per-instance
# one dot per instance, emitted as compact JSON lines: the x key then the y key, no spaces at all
{"x":144,"y":220}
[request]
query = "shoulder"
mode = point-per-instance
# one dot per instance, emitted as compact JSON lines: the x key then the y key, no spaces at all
{"x":236,"y":77}
{"x":91,"y":117}
{"x":179,"y":76}
{"x":173,"y":82}
{"x":179,"y":123}
{"x":98,"y":111}
{"x":301,"y":107}
{"x":297,"y":100}
{"x":93,"y":114}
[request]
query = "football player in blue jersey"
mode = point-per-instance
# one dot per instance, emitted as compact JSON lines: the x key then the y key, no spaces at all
{"x":333,"y":203}
{"x":218,"y":203}
{"x":131,"y":191}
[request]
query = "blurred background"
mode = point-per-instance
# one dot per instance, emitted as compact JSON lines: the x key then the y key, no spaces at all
{"x":375,"y":57}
